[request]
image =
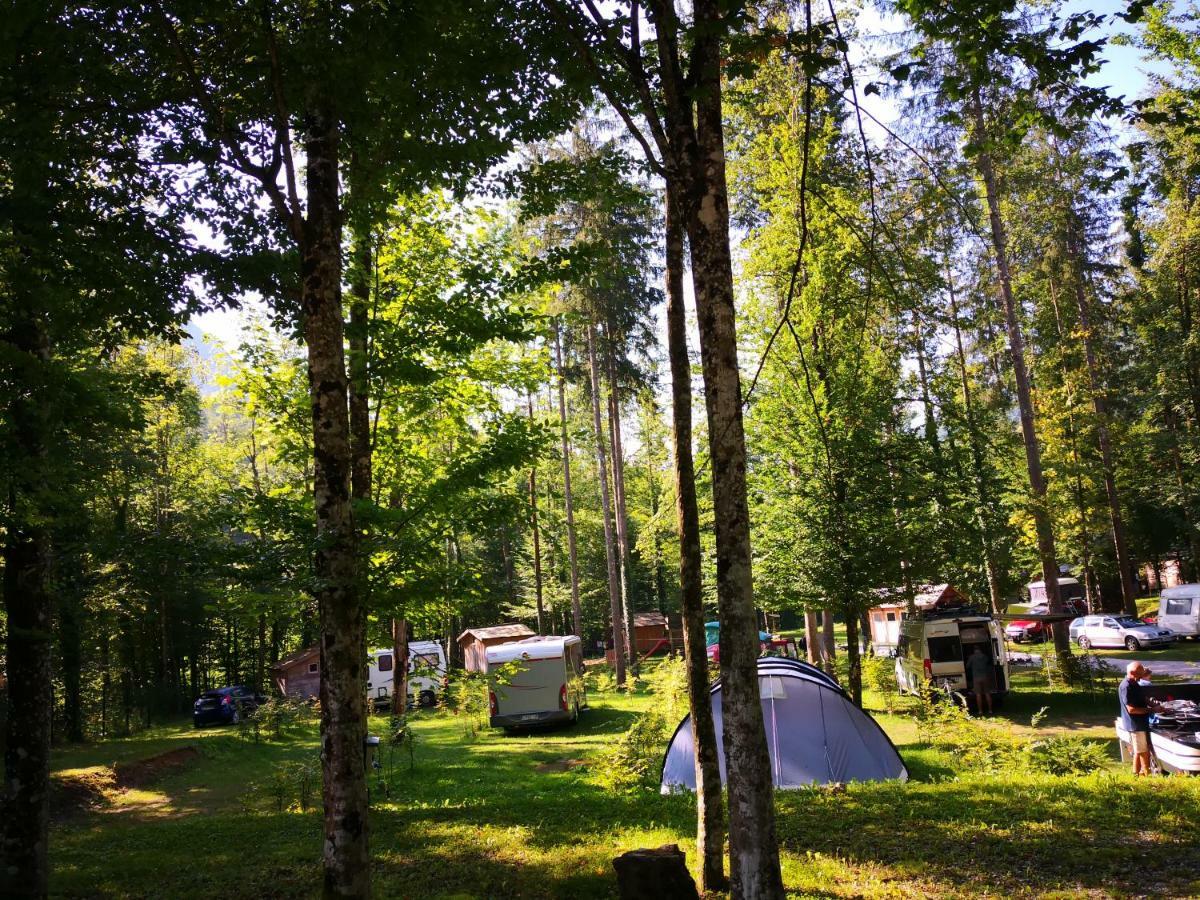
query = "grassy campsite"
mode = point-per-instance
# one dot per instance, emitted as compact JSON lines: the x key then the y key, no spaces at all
{"x":642,"y":449}
{"x":456,"y":814}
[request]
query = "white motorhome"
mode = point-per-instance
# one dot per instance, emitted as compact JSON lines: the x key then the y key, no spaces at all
{"x":426,"y":672}
{"x":1179,"y":610}
{"x":535,"y":681}
{"x":934,"y":646}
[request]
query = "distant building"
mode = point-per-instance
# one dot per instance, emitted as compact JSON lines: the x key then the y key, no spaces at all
{"x":650,"y":629}
{"x":885,"y":617}
{"x":474,"y":643}
{"x":1168,"y":574}
{"x":299,"y":674}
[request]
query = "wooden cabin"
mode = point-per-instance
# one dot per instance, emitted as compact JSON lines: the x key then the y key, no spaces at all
{"x":650,"y":630}
{"x":299,"y":674}
{"x":473,"y":643}
{"x":885,"y":617}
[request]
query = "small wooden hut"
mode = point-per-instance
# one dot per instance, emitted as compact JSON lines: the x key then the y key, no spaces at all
{"x":299,"y":674}
{"x":650,"y":630}
{"x":474,"y":643}
{"x":885,"y":618}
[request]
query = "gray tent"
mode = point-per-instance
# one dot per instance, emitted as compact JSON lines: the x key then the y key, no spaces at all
{"x":815,"y":733}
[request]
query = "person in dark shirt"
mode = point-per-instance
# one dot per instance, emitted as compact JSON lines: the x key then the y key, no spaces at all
{"x":1135,"y":715}
{"x":983,"y":681}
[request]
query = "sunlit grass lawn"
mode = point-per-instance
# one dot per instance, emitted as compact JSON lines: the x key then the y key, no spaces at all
{"x":521,"y":816}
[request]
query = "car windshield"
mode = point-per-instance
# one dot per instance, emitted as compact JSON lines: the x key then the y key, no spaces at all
{"x":1129,"y":622}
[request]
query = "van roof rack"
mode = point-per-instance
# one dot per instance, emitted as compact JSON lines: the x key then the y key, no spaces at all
{"x":954,"y":612}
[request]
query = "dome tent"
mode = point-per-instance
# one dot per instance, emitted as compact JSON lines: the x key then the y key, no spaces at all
{"x":815,"y":733}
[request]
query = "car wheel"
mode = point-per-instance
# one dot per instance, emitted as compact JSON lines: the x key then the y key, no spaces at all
{"x":1085,"y":644}
{"x":427,"y":699}
{"x":1131,"y":643}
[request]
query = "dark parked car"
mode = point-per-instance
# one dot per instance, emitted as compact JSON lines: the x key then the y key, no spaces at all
{"x":225,"y":706}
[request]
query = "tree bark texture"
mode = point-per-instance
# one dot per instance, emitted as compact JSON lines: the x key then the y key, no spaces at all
{"x":753,"y":847}
{"x":1016,"y":348}
{"x":622,"y":519}
{"x":24,"y":866}
{"x":710,"y":813}
{"x":614,"y":591}
{"x":399,"y":666}
{"x":342,"y":613}
{"x":537,"y":539}
{"x":568,"y":498}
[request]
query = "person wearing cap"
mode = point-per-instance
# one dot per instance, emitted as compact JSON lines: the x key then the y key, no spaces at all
{"x":1135,"y":715}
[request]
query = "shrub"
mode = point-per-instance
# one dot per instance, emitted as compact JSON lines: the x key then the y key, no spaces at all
{"x":1065,"y":755}
{"x":634,"y":760}
{"x":292,"y":784}
{"x":879,"y":676}
{"x":277,"y":717}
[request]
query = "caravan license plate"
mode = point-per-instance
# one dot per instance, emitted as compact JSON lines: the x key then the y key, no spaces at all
{"x":528,"y":717}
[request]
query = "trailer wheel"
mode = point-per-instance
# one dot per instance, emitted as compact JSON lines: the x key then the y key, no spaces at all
{"x":427,"y":699}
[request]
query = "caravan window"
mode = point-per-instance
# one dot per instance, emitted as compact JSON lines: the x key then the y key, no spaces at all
{"x":385,"y":662}
{"x":945,"y":649}
{"x":423,"y":661}
{"x":1179,"y":607}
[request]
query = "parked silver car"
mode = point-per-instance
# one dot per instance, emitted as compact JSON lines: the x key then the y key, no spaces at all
{"x":1120,"y":631}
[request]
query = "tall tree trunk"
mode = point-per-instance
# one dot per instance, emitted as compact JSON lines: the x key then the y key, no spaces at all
{"x":399,"y":666}
{"x":812,"y":637}
{"x":614,"y":591}
{"x":28,"y":604}
{"x":1016,"y":349}
{"x":753,"y":847}
{"x":1103,"y":439}
{"x":70,"y":651}
{"x":828,"y":642}
{"x":984,"y":506}
{"x":537,"y":539}
{"x":853,"y":656}
{"x":342,"y":613}
{"x":710,"y":814}
{"x":568,"y":498}
{"x":1094,"y":602}
{"x":622,"y":518}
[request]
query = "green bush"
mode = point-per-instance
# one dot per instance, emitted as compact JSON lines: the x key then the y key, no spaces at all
{"x":633,"y":760}
{"x":879,"y":677}
{"x":276,"y":718}
{"x":987,"y":747}
{"x":1065,"y":755}
{"x":292,"y":785}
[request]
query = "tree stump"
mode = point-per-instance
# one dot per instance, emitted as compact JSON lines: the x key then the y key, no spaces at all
{"x":655,"y":874}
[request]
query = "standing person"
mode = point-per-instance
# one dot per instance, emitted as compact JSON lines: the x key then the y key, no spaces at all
{"x":1135,"y":715}
{"x":983,"y":681}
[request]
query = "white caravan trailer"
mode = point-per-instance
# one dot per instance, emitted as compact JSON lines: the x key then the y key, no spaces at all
{"x":535,"y":681}
{"x":1179,"y":610}
{"x":426,"y":671}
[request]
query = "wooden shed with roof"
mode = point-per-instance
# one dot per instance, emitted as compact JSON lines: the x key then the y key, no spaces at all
{"x":299,"y":674}
{"x":474,"y":643}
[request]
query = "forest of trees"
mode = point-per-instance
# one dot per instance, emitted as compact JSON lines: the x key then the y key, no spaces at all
{"x":957,"y":345}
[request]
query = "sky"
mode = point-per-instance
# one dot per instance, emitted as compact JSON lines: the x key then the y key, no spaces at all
{"x":1125,"y":72}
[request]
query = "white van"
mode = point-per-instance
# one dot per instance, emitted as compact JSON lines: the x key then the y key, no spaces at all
{"x":1179,"y":610}
{"x":933,"y":648}
{"x":426,"y":672}
{"x":535,"y":681}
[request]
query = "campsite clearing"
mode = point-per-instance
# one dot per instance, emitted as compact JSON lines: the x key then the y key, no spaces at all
{"x":505,"y":816}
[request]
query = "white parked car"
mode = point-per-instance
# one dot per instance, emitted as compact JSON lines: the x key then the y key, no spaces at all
{"x":1122,"y":631}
